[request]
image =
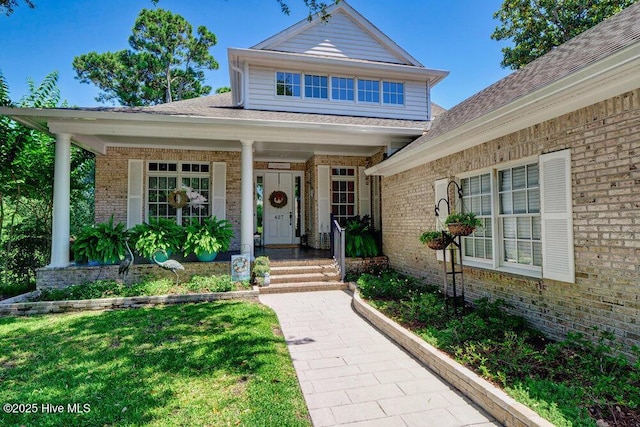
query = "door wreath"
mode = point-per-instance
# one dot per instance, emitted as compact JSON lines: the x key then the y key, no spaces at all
{"x":278,"y":199}
{"x":178,"y":199}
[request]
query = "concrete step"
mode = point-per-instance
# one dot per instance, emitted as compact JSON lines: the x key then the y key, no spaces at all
{"x":303,"y":287}
{"x":302,"y":262}
{"x":302,"y":269}
{"x":305,"y":277}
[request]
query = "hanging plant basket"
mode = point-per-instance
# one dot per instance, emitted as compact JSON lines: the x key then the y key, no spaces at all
{"x":278,"y":199}
{"x":438,"y":243}
{"x":459,"y":229}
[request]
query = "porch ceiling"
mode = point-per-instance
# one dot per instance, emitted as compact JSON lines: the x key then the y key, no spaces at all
{"x":263,"y":150}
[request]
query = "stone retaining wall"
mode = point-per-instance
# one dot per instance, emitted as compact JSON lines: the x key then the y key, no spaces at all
{"x":363,"y":265}
{"x":61,"y":277}
{"x":44,"y":307}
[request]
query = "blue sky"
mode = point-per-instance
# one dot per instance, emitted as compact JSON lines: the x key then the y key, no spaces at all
{"x":450,"y":35}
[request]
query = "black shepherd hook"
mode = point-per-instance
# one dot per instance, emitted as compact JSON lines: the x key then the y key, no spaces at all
{"x":446,"y":199}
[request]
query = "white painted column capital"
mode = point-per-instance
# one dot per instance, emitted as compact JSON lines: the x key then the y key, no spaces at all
{"x":246,"y":192}
{"x":61,"y":202}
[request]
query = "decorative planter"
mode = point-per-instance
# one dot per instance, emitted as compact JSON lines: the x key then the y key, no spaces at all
{"x":207,"y":256}
{"x":160,"y":256}
{"x":459,"y":229}
{"x":439,"y":243}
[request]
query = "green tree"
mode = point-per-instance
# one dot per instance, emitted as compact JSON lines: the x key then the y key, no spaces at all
{"x":26,"y":185}
{"x":166,"y":62}
{"x":537,"y":26}
{"x":223,"y":89}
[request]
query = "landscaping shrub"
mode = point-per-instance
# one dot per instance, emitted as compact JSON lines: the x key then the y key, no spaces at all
{"x":389,"y":284}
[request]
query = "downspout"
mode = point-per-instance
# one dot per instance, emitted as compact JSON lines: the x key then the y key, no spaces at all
{"x":239,"y":84}
{"x":428,"y":100}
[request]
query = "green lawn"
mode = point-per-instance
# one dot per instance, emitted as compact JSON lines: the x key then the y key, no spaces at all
{"x":210,"y":364}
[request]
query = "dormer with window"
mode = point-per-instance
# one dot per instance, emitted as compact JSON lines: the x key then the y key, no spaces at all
{"x":345,"y":66}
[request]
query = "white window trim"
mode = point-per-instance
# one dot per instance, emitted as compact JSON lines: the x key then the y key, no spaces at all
{"x":497,"y":263}
{"x":356,"y":193}
{"x":178,"y":174}
{"x":330,"y":97}
{"x":355,"y":90}
{"x":275,"y":85}
{"x":303,"y":88}
{"x":404,"y":94}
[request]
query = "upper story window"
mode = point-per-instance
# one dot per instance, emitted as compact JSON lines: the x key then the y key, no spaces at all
{"x":316,"y":86}
{"x":368,"y":91}
{"x":287,"y":84}
{"x":342,"y":88}
{"x":393,"y":93}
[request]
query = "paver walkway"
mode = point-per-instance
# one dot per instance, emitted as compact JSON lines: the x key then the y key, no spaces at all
{"x":351,"y":374}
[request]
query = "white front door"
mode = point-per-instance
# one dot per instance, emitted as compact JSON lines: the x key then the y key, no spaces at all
{"x":279,"y":202}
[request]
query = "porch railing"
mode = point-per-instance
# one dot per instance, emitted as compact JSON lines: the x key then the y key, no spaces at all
{"x":337,"y":245}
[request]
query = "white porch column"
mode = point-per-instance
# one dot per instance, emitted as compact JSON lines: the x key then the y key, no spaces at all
{"x":61,"y":200}
{"x":246,"y":191}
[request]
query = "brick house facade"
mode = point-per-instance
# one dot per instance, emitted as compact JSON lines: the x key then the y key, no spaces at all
{"x":604,"y":140}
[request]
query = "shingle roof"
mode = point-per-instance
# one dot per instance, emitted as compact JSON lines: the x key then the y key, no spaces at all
{"x":609,"y":36}
{"x":221,"y":107}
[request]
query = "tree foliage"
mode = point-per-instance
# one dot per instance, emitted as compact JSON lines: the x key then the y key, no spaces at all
{"x":26,"y":184}
{"x":166,"y":62}
{"x":315,"y":8}
{"x":537,"y":26}
{"x":8,"y":6}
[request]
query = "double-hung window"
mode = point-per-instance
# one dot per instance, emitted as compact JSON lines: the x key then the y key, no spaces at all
{"x":519,"y":215}
{"x":526,"y":215}
{"x":166,"y":177}
{"x":476,"y":198}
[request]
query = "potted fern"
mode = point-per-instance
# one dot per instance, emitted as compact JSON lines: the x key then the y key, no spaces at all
{"x":208,"y":238}
{"x":436,"y":240}
{"x":359,"y":238}
{"x":102,"y":243}
{"x":156,"y":236}
{"x":462,"y":224}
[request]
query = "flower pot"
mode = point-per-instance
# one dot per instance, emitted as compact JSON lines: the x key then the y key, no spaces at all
{"x":161,"y":256}
{"x":438,"y":243}
{"x":207,"y":256}
{"x":460,"y":229}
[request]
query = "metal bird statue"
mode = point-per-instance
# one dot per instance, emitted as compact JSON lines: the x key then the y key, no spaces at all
{"x":123,"y":268}
{"x":169,"y":264}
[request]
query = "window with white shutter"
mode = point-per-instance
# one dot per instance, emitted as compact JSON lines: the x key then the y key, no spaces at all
{"x":526,"y":212}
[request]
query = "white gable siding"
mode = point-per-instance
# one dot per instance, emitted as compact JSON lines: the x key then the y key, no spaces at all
{"x":339,"y":38}
{"x":261,"y":96}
